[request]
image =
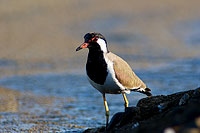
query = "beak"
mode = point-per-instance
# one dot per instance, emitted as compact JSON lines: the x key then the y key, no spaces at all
{"x":84,"y":45}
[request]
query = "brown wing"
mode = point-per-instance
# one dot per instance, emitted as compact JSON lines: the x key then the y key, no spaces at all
{"x":124,"y":73}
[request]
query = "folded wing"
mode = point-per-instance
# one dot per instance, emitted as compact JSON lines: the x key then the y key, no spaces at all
{"x":124,"y":73}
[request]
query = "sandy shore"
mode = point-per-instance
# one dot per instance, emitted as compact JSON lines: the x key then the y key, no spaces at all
{"x":9,"y":100}
{"x":24,"y":111}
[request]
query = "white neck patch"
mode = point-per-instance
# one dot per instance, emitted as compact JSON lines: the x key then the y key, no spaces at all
{"x":102,"y":44}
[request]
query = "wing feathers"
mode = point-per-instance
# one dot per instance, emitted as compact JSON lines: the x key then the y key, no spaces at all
{"x":124,"y":73}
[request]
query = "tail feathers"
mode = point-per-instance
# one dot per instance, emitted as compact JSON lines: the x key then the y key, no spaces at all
{"x":144,"y":91}
{"x":147,"y":92}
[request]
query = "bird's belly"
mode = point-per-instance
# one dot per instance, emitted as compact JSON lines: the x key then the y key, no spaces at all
{"x":109,"y":86}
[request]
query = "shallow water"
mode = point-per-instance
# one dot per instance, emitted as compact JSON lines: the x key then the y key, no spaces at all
{"x":84,"y":105}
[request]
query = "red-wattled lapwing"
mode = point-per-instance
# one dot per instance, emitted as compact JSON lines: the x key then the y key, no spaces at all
{"x":109,"y":73}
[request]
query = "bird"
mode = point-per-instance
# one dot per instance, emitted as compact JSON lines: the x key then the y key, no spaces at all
{"x":109,"y":73}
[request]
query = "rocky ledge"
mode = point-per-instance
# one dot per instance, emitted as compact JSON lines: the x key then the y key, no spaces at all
{"x":178,"y":112}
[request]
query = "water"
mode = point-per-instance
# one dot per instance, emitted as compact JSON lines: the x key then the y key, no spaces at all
{"x":84,"y":105}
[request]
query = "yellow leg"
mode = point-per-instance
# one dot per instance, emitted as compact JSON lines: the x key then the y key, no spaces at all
{"x":125,"y":99}
{"x":107,"y":110}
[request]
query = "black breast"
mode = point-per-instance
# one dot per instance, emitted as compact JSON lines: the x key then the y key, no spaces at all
{"x":96,"y":67}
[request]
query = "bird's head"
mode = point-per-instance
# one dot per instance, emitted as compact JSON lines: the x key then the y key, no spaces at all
{"x":94,"y":41}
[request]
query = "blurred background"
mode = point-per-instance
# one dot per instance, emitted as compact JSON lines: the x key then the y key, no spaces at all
{"x":46,"y":77}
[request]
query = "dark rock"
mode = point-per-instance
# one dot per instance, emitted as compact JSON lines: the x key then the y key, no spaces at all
{"x":115,"y":120}
{"x":184,"y":99}
{"x":122,"y":118}
{"x":131,"y":114}
{"x":178,"y":112}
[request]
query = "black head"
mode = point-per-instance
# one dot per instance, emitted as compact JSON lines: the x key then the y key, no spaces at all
{"x":95,"y":41}
{"x":93,"y":36}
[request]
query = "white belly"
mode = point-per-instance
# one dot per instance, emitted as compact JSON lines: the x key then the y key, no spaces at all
{"x":108,"y":87}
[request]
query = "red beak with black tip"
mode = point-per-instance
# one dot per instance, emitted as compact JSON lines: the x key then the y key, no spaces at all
{"x":84,"y":45}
